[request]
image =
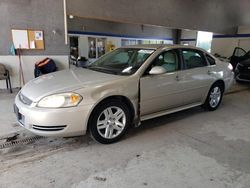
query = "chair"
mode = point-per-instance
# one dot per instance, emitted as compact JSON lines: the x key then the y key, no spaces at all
{"x":5,"y":75}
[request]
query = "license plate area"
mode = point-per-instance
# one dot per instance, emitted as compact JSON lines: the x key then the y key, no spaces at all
{"x":20,"y":117}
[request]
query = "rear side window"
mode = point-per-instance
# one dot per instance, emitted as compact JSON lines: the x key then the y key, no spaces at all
{"x":210,"y":60}
{"x":193,"y":58}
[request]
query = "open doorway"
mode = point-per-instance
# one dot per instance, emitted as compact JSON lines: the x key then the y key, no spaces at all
{"x":204,"y":40}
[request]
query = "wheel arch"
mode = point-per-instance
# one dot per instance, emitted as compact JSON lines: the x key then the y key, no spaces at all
{"x":121,"y":98}
{"x":221,"y":82}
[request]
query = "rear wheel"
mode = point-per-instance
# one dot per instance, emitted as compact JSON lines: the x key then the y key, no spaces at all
{"x":109,"y":121}
{"x":214,"y":97}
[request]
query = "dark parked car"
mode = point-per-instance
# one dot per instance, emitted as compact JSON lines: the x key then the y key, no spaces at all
{"x":240,"y":61}
{"x":242,"y":71}
{"x":239,"y":55}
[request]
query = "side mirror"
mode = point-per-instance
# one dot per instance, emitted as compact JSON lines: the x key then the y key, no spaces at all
{"x":157,"y":70}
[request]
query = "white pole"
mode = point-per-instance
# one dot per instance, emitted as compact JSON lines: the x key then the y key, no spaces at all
{"x":65,"y":21}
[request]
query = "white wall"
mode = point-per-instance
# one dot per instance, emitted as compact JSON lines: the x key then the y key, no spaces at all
{"x":186,"y":35}
{"x":243,"y":29}
{"x":28,"y":64}
{"x":225,"y":46}
{"x":244,"y":42}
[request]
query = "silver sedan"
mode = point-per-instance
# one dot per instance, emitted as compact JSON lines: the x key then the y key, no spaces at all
{"x":120,"y":89}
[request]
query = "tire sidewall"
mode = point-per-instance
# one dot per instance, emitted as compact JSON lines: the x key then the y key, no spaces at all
{"x":95,"y":115}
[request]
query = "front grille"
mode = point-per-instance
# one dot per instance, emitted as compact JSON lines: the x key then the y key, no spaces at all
{"x":24,"y":99}
{"x":48,"y":128}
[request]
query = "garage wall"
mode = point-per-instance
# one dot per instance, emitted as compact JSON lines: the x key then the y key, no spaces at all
{"x":114,"y":32}
{"x":225,"y":44}
{"x":46,"y":15}
{"x":120,"y":29}
{"x":189,"y":14}
{"x":244,"y":42}
{"x":116,"y":41}
{"x":221,"y":44}
{"x":188,"y":37}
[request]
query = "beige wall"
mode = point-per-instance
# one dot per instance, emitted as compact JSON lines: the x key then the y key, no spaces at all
{"x":225,"y":46}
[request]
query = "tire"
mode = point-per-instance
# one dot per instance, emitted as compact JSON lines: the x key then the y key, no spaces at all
{"x":109,"y":121}
{"x":214,"y":97}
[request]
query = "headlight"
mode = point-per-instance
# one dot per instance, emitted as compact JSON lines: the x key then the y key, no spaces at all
{"x":60,"y":100}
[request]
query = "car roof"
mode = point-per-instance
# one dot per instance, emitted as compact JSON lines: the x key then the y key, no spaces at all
{"x":161,"y":46}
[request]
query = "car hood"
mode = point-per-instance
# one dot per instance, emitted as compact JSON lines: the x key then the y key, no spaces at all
{"x":64,"y":81}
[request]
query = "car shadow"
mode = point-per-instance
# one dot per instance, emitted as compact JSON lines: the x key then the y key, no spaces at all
{"x":71,"y":143}
{"x":161,"y":121}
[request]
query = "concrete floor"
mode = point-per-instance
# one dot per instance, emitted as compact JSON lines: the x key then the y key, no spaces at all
{"x":193,"y":148}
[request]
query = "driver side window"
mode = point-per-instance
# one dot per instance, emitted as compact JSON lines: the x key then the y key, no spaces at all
{"x":168,"y":60}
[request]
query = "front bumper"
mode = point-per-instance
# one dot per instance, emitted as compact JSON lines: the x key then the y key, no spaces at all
{"x":61,"y":122}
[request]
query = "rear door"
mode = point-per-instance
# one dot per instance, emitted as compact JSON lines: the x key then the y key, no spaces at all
{"x":197,"y":76}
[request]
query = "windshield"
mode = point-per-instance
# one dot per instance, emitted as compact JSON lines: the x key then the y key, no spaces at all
{"x":122,"y":61}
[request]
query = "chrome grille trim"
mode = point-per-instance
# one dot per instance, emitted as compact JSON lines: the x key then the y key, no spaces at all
{"x":48,"y":128}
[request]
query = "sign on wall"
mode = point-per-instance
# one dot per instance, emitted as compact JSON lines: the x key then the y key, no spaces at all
{"x":20,"y":39}
{"x":28,"y":39}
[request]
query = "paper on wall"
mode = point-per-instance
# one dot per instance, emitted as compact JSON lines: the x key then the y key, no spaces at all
{"x":38,"y":35}
{"x":20,"y":39}
{"x":32,"y":45}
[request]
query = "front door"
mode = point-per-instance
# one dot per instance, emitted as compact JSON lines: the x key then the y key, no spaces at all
{"x":161,"y":92}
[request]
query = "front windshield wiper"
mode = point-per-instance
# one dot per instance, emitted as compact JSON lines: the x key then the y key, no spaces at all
{"x":100,"y":69}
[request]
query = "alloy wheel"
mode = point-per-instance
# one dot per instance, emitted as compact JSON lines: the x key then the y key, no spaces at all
{"x":215,"y":97}
{"x":111,"y":122}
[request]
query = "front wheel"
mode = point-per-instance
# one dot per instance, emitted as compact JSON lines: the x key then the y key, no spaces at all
{"x":109,"y":121}
{"x":214,"y":97}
